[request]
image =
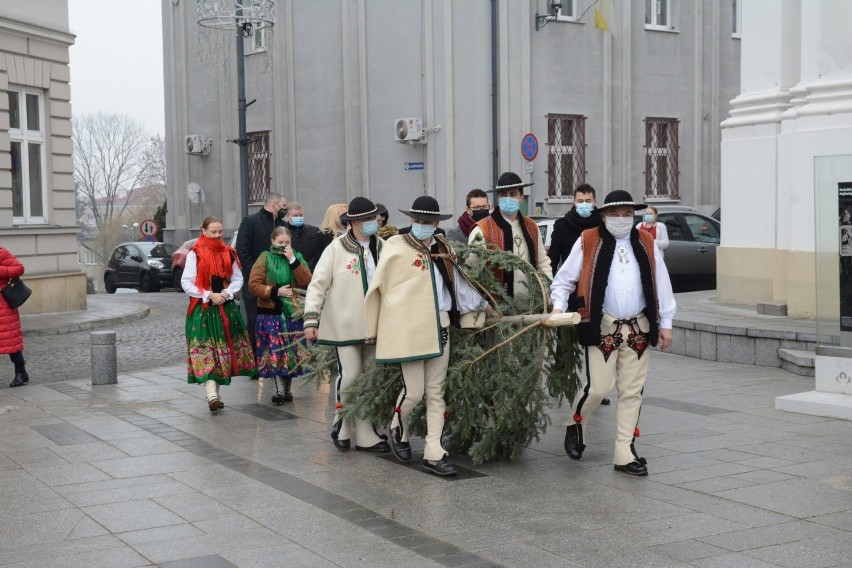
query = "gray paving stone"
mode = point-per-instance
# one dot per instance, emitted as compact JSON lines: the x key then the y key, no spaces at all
{"x":707,"y":345}
{"x":170,"y":532}
{"x":692,"y":341}
{"x":145,"y":465}
{"x":213,"y":561}
{"x":31,"y":499}
{"x":687,"y":550}
{"x":116,"y":557}
{"x":68,"y":473}
{"x":761,"y":537}
{"x":132,"y":515}
{"x":820,"y":552}
{"x":194,"y":506}
{"x":802,"y":498}
{"x":733,"y":560}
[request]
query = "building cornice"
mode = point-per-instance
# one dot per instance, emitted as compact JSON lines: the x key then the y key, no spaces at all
{"x":758,"y":108}
{"x":34,"y":30}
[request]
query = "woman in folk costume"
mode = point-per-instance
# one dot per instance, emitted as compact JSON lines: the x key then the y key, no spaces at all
{"x":217,"y":343}
{"x":272,"y":280}
{"x":334,"y":313}
{"x":508,"y":230}
{"x":418,"y":290}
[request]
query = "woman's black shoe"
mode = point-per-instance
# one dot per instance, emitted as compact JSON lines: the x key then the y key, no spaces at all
{"x":21,"y":378}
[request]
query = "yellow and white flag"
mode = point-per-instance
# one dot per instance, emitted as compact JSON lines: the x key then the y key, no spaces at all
{"x":603,"y":15}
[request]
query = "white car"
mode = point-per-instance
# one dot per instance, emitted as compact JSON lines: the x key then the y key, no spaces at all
{"x":545,"y":226}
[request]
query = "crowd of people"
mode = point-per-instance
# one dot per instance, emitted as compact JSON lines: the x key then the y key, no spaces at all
{"x":378,"y":294}
{"x":386,"y":295}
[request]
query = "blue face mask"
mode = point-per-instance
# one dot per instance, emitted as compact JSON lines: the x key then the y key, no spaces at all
{"x":508,"y":205}
{"x":370,"y":227}
{"x":422,"y":232}
{"x":584,"y":210}
{"x":648,"y":218}
{"x":297,"y":221}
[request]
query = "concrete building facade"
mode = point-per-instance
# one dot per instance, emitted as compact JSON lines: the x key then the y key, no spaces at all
{"x":635,"y":107}
{"x":37,"y":211}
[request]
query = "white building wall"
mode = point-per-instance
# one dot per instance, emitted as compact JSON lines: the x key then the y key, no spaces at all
{"x":796,"y":104}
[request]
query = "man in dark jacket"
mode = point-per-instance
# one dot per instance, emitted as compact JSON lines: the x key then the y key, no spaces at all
{"x":306,"y":238}
{"x":583,"y":215}
{"x":252,"y":239}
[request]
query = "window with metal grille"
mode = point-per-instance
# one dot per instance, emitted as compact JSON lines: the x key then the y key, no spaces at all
{"x":661,"y":158}
{"x":566,"y":154}
{"x":259,"y":178}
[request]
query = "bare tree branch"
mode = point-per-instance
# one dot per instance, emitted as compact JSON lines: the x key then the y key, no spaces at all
{"x":113,"y":156}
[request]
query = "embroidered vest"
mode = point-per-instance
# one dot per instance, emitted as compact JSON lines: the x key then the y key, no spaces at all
{"x":495,"y":238}
{"x":598,"y":251}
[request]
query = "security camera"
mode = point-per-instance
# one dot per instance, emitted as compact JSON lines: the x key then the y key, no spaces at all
{"x":556,"y":6}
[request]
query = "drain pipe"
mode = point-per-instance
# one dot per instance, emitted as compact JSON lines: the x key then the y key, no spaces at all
{"x":495,"y":95}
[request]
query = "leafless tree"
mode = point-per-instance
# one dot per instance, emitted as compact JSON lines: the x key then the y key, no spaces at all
{"x":113,"y":155}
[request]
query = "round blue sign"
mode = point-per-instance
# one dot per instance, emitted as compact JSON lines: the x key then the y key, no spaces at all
{"x":529,"y":146}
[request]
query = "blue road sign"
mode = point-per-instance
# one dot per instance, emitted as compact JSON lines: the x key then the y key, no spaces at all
{"x":529,"y":146}
{"x":413,"y":166}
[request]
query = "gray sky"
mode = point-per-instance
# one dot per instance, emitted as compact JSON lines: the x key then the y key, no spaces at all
{"x":117,"y":59}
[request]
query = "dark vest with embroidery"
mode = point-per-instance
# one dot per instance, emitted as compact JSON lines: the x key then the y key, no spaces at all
{"x":598,"y":251}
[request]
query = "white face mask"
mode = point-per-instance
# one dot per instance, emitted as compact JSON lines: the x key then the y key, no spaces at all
{"x":619,"y":227}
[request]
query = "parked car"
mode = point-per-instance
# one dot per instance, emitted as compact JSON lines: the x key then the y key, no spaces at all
{"x":143,"y":265}
{"x":693,"y":239}
{"x":178,"y":262}
{"x":545,"y":227}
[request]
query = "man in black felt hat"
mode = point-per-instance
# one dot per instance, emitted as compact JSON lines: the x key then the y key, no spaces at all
{"x":508,"y":230}
{"x":417,"y":292}
{"x":625,"y":301}
{"x":334,"y":313}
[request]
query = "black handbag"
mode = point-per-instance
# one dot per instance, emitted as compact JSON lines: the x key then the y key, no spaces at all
{"x":16,"y":293}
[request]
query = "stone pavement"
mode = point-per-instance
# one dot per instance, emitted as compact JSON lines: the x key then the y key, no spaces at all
{"x":142,"y":474}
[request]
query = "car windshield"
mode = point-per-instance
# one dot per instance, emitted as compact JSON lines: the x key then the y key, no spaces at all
{"x":157,"y":250}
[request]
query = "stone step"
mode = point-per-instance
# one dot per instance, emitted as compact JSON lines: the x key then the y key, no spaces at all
{"x":797,"y":361}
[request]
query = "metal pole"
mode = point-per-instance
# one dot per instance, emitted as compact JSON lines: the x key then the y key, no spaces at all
{"x":495,"y":93}
{"x":241,"y":112}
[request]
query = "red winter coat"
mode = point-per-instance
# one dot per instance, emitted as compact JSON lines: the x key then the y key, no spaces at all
{"x":11,"y":338}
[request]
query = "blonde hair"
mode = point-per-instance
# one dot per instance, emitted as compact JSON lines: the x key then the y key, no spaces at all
{"x":331,"y":223}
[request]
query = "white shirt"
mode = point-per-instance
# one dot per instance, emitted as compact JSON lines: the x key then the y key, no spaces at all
{"x":369,"y":263}
{"x":624,"y":297}
{"x":467,"y":298}
{"x":187,"y":280}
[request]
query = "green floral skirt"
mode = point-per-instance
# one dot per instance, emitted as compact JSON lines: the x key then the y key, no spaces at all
{"x":217,"y":344}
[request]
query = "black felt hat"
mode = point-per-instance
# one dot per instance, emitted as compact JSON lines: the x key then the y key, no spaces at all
{"x":620,"y":198}
{"x":426,"y":208}
{"x":507,"y":181}
{"x":362,"y":209}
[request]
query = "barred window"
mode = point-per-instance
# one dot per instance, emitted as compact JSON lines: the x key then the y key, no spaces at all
{"x":259,"y":178}
{"x":661,"y":158}
{"x":566,"y":154}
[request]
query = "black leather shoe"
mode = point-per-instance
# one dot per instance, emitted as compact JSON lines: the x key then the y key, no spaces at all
{"x":573,"y":447}
{"x":632,"y":468}
{"x":400,"y":449}
{"x":342,"y":445}
{"x":605,"y":402}
{"x":440,"y":467}
{"x":381,"y":447}
{"x":278,"y":398}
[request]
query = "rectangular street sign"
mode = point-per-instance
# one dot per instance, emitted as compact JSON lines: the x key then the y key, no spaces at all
{"x":413,"y":166}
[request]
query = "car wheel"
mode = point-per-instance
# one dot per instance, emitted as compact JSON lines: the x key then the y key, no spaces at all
{"x":109,"y":284}
{"x":176,"y":276}
{"x":146,"y":284}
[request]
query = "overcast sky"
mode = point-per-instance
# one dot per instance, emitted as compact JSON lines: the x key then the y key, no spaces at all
{"x":117,"y":59}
